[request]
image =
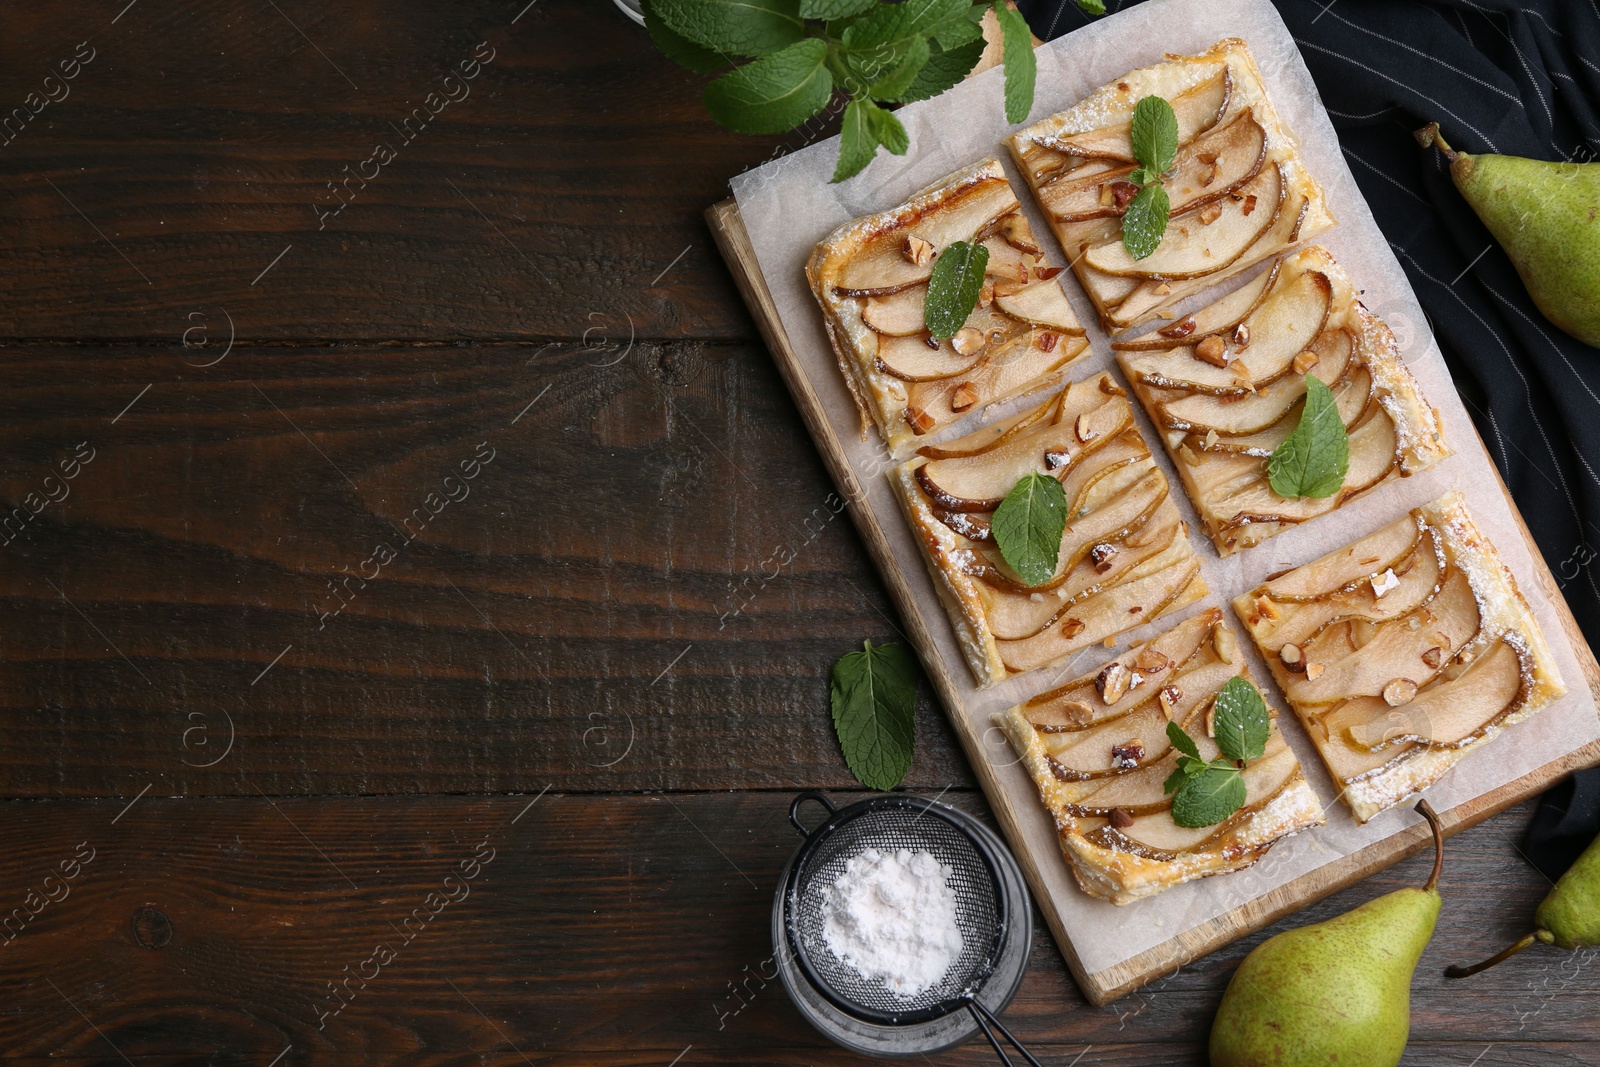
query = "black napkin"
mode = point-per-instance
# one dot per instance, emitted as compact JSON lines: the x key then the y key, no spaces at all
{"x":1517,"y":77}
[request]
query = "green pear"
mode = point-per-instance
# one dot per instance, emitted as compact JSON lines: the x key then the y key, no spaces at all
{"x":1568,"y":917}
{"x":1338,"y":992}
{"x":1547,"y":218}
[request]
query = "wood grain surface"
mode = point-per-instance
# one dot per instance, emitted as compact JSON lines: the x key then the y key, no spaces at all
{"x":601,"y":611}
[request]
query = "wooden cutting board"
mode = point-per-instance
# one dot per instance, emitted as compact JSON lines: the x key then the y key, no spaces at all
{"x":1108,"y":984}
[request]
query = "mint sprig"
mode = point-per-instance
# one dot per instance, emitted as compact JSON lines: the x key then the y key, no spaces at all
{"x":873,"y":694}
{"x":1027,"y":527}
{"x":1206,"y":793}
{"x":873,"y":52}
{"x":1154,"y":133}
{"x":954,"y":286}
{"x":1314,"y":459}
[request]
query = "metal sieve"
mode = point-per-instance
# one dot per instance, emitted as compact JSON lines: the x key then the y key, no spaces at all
{"x":889,"y":823}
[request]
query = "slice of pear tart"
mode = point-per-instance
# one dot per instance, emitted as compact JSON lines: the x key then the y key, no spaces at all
{"x":871,"y":278}
{"x":1238,"y":189}
{"x":1226,"y":385}
{"x":1098,"y":750}
{"x":1402,"y":652}
{"x":1124,"y":557}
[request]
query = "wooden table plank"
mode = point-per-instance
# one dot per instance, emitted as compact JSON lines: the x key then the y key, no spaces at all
{"x":200,"y":140}
{"x":616,"y":569}
{"x":604,"y":930}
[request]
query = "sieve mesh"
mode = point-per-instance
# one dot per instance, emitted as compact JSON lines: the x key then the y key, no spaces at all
{"x":890,"y":825}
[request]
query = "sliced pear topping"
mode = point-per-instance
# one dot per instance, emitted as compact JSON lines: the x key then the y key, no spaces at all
{"x":1451,"y":713}
{"x":1197,"y":109}
{"x":1199,"y":412}
{"x":1042,"y":304}
{"x":1190,"y":250}
{"x":911,"y":359}
{"x":898,"y":314}
{"x":1372,"y":456}
{"x":1349,"y":566}
{"x":1225,"y":316}
{"x":884,"y":266}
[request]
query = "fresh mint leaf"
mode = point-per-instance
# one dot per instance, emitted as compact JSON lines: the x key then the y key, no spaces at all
{"x":1092,"y":7}
{"x":833,"y":9}
{"x":775,"y":93}
{"x":944,"y":70}
{"x":857,"y":143}
{"x":735,"y":27}
{"x":1314,"y":459}
{"x":889,"y":131}
{"x":1182,"y":741}
{"x":1021,"y":66}
{"x":1209,"y":797}
{"x":1154,"y":133}
{"x":873,"y":694}
{"x":957,"y":32}
{"x":1178,"y":778}
{"x":1027,"y":527}
{"x":889,"y":24}
{"x":953,"y":288}
{"x":1241,"y":720}
{"x":1145,"y":221}
{"x":678,"y":48}
{"x":1140,"y":176}
{"x":898,"y":78}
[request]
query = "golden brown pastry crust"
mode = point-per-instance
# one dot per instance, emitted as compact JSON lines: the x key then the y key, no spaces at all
{"x":1411,"y":748}
{"x":1111,"y":481}
{"x":974,"y":203}
{"x":1070,"y":159}
{"x":1385,"y":409}
{"x":1105,"y":863}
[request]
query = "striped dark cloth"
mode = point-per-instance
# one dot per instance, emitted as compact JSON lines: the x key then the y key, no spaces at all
{"x":1517,"y":77}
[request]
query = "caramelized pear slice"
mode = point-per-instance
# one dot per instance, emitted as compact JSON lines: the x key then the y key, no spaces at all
{"x":1351,"y":397}
{"x":1041,"y":304}
{"x":911,"y":360}
{"x":1347,"y":762}
{"x":1015,"y":614}
{"x":898,"y":314}
{"x":1348,"y":567}
{"x":884,"y":268}
{"x":1191,"y":249}
{"x":1213,"y":165}
{"x":1395,"y":650}
{"x":1372,"y":457}
{"x":1418,"y":575}
{"x":1178,"y":646}
{"x":1263,"y":780}
{"x":992,"y":436}
{"x":1238,"y":417}
{"x":1008,"y":265}
{"x":1452,"y":713}
{"x":1078,"y":197}
{"x":1220,"y":317}
{"x":1197,"y":109}
{"x":978,"y":481}
{"x":1286,"y":324}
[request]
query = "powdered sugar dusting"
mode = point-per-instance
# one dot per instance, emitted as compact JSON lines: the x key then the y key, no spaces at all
{"x":892,"y":917}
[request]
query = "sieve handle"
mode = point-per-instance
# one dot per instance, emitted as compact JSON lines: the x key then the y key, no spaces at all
{"x":794,"y":809}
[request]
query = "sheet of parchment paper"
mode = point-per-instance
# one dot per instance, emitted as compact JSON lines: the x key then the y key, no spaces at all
{"x":788,"y":206}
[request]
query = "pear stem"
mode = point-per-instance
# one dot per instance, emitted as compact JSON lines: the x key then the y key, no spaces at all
{"x":1430,"y":137}
{"x":1505,"y":954}
{"x":1438,"y":845}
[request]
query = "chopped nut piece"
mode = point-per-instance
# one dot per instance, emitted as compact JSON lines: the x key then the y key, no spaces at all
{"x":1433,"y":657}
{"x":1464,"y":656}
{"x":1126,"y":756}
{"x":1400,"y":691}
{"x":1413,"y":623}
{"x":1292,"y":657}
{"x":918,"y":250}
{"x":1110,"y":642}
{"x":919,"y":421}
{"x":1120,"y":819}
{"x":932,"y":342}
{"x":1106,"y":198}
{"x":1211,"y":719}
{"x":1122,"y":194}
{"x":1186,"y":454}
{"x":1044,"y":274}
{"x":986,"y":294}
{"x":1207,"y":176}
{"x":1163,"y":289}
{"x":1112,"y":682}
{"x":1079,"y":713}
{"x":1314,"y":671}
{"x":1101,"y":556}
{"x":1211,"y":439}
{"x":1305,"y":361}
{"x":1169,"y":696}
{"x":1224,"y":644}
{"x":1241,"y":337}
{"x":1085,"y":428}
{"x":1207,"y":157}
{"x":1047,"y":341}
{"x":1211,"y":212}
{"x":1249,"y":203}
{"x":1212,"y":350}
{"x":1242,"y":372}
{"x":964,"y":397}
{"x":1054,"y":460}
{"x":1151,"y":660}
{"x":1267,"y":608}
{"x":1071,"y":627}
{"x":1182,"y":328}
{"x":1383,"y":583}
{"x":1442,"y":639}
{"x":968,"y":341}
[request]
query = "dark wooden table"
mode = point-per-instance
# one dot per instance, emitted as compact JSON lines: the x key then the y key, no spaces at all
{"x":409,"y":680}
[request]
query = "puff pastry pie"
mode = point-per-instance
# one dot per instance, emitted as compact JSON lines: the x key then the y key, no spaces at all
{"x":1402,"y":652}
{"x":871,"y":275}
{"x":1124,"y":557}
{"x":1226,"y":385}
{"x":1100,"y":756}
{"x":1238,"y":189}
